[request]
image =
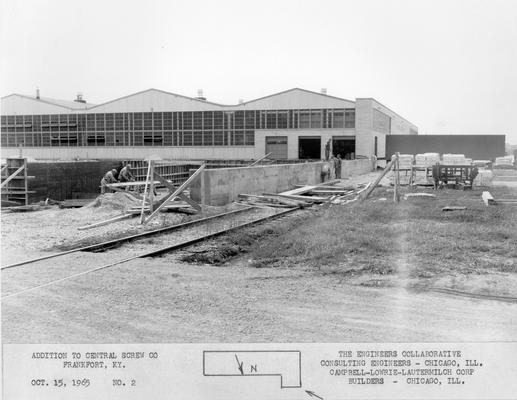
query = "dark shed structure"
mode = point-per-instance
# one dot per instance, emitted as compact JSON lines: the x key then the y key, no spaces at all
{"x":477,"y":147}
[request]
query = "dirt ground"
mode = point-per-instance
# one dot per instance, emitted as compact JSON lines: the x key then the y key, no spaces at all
{"x":166,"y":300}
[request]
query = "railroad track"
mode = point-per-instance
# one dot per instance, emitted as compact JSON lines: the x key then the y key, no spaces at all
{"x":157,"y":242}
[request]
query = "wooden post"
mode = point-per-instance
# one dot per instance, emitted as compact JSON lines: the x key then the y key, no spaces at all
{"x":370,"y":189}
{"x":178,"y":191}
{"x":151,"y":186}
{"x":396,"y":179}
{"x":145,"y":191}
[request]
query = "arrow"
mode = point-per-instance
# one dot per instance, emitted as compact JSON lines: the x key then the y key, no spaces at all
{"x":312,"y":394}
{"x":240,"y":365}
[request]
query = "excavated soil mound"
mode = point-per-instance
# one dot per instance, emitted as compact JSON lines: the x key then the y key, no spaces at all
{"x":114,"y":201}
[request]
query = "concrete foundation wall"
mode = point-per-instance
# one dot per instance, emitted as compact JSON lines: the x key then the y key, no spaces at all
{"x":357,"y":167}
{"x":222,"y":186}
{"x":67,"y":180}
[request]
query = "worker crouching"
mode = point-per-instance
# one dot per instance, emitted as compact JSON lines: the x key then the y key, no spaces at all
{"x":109,"y":177}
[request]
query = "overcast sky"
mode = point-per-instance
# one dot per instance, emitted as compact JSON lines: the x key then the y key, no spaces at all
{"x":447,"y":66}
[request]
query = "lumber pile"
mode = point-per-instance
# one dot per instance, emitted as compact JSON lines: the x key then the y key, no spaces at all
{"x":301,"y":196}
{"x":456,"y":159}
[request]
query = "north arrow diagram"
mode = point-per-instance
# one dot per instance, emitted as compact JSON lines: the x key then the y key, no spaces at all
{"x":240,"y":365}
{"x":312,"y":394}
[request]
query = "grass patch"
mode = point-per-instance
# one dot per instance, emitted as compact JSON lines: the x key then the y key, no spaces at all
{"x":413,"y":237}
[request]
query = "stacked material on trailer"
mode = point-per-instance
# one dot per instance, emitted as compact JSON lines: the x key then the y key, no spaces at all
{"x":483,"y":178}
{"x":426,"y":160}
{"x":406,"y":161}
{"x":456,"y":159}
{"x":504,"y":162}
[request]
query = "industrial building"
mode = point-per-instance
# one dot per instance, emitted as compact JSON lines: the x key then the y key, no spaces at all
{"x":294,"y":124}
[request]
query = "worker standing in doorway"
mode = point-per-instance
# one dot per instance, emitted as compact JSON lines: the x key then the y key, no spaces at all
{"x":338,"y":166}
{"x":109,"y":177}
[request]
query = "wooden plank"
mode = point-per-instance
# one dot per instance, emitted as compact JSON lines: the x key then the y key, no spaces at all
{"x":180,"y":189}
{"x":302,"y":190}
{"x":8,"y":179}
{"x":487,"y":198}
{"x":453,"y":208}
{"x":171,"y":189}
{"x":376,"y":182}
{"x":309,"y":199}
{"x":105,"y":222}
{"x":142,"y":216}
{"x":330,"y":192}
{"x":259,"y":160}
{"x":188,"y":200}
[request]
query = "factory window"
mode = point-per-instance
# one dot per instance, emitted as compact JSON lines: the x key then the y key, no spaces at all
{"x":148,"y":121}
{"x":137,"y":121}
{"x":282,"y":117}
{"x":177,"y":120}
{"x":218,"y":138}
{"x":27,"y":123}
{"x":72,"y":139}
{"x":110,"y":125}
{"x":249,"y":120}
{"x":208,"y":122}
{"x":119,"y":121}
{"x":90,"y":122}
{"x":187,"y":138}
{"x":350,"y":118}
{"x":167,"y":137}
{"x":72,"y":122}
{"x":148,"y":138}
{"x":187,"y":120}
{"x":249,"y":138}
{"x":239,"y":120}
{"x":54,"y":123}
{"x":197,"y":120}
{"x":294,"y":119}
{"x":218,"y":120}
{"x":305,"y":119}
{"x":271,"y":120}
{"x":138,"y":139}
{"x":316,"y":119}
{"x":110,"y":139}
{"x":45,"y":139}
{"x":158,"y":138}
{"x":238,"y":138}
{"x":175,"y":139}
{"x":36,"y":123}
{"x":167,"y":120}
{"x":228,"y":120}
{"x":208,"y":138}
{"x":338,"y":119}
{"x":119,"y":138}
{"x":99,"y":122}
{"x":157,"y":121}
{"x":198,"y":138}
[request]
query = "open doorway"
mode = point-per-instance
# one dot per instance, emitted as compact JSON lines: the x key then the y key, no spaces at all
{"x":344,"y":146}
{"x":309,"y":147}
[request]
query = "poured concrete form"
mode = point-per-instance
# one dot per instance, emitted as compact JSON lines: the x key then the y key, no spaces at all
{"x":223,"y":185}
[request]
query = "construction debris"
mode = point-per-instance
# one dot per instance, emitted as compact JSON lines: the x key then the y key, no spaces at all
{"x":408,"y":196}
{"x":453,"y":208}
{"x":489,"y":200}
